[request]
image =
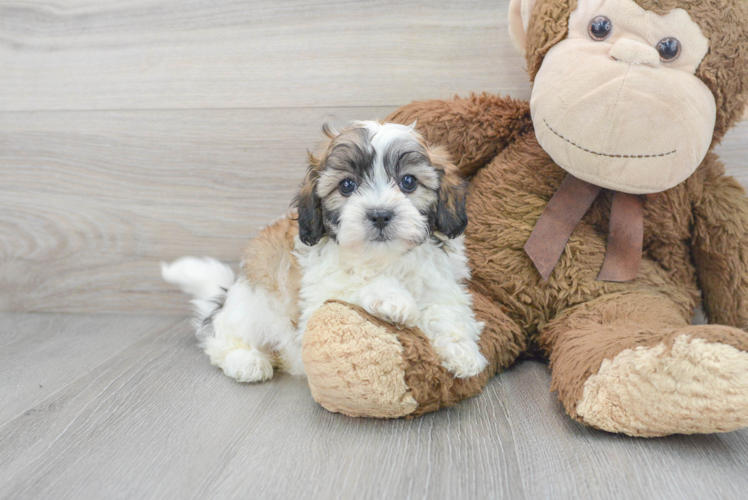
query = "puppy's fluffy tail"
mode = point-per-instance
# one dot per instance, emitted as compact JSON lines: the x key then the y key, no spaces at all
{"x":206,"y":279}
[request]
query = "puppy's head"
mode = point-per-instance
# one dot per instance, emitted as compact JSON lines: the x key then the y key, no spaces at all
{"x":380,"y":186}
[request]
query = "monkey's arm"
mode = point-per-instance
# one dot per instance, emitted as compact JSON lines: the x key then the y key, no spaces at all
{"x":720,"y":246}
{"x":473,"y":129}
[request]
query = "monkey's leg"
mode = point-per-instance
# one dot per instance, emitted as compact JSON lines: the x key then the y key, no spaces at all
{"x":629,"y":362}
{"x":362,"y":367}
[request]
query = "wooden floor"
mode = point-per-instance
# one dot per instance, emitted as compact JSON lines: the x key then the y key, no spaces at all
{"x":117,"y":406}
{"x":136,"y":131}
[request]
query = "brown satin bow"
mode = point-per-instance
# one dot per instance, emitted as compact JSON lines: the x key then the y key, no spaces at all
{"x":564,"y":212}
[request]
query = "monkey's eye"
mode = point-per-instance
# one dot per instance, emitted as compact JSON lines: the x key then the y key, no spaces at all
{"x":669,"y":49}
{"x":347,"y":187}
{"x":600,"y":28}
{"x":408,"y":183}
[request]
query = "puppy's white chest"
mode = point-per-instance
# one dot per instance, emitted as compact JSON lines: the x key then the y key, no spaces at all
{"x":329,"y":273}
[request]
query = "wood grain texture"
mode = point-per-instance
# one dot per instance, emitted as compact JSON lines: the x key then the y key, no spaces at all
{"x":176,"y":54}
{"x":734,"y":152}
{"x":563,"y":459}
{"x":87,"y":213}
{"x":157,"y":421}
{"x":41,"y":353}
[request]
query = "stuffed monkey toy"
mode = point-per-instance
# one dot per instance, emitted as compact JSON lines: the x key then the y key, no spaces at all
{"x":599,"y":218}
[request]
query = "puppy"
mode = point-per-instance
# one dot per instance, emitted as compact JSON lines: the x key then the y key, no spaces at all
{"x":379,"y":224}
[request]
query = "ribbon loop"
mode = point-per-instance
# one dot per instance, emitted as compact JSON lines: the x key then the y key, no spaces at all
{"x":623,"y":253}
{"x":565,"y":211}
{"x":562,"y":214}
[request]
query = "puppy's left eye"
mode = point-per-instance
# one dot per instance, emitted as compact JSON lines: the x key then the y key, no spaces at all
{"x":408,"y":183}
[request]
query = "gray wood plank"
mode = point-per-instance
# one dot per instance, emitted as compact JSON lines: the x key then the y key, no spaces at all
{"x":39,"y":354}
{"x":734,"y":152}
{"x":166,"y":54}
{"x":157,"y":421}
{"x":563,"y":459}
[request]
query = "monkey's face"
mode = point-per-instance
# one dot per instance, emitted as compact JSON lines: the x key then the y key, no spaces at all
{"x":617,"y":103}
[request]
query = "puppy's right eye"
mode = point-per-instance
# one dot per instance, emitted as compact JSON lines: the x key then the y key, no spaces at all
{"x":347,"y":187}
{"x":408,"y":183}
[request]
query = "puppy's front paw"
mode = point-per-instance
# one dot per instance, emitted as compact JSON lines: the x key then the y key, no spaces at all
{"x":247,"y":365}
{"x":398,"y":309}
{"x":461,"y":357}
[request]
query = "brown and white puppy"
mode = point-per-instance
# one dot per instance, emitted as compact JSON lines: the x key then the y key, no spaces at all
{"x":380,"y":222}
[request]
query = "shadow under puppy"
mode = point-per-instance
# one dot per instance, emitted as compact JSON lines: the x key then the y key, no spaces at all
{"x":379,"y":224}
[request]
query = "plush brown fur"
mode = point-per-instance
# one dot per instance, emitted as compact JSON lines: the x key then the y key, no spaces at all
{"x":350,"y":359}
{"x":432,"y":386}
{"x":625,"y":321}
{"x":695,"y":234}
{"x":700,"y":224}
{"x":354,"y":364}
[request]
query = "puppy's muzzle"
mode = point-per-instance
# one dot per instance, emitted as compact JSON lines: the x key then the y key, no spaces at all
{"x":380,"y":218}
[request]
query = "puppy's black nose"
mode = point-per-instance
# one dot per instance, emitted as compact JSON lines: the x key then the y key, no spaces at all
{"x":380,"y":218}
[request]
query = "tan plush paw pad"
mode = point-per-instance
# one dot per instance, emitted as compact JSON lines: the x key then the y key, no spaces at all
{"x":355,"y":366}
{"x":692,"y":387}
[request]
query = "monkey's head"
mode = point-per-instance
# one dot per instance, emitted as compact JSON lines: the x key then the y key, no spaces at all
{"x":631,"y":94}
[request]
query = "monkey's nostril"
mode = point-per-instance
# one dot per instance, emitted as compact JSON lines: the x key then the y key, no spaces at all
{"x":380,"y":218}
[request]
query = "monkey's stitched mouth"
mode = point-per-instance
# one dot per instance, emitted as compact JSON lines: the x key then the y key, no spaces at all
{"x":605,"y":154}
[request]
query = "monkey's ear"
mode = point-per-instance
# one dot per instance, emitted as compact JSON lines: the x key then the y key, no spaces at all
{"x":309,"y":206}
{"x":519,"y":19}
{"x":450,"y":217}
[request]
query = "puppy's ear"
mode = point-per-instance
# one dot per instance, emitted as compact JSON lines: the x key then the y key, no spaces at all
{"x":308,"y":204}
{"x":451,"y":217}
{"x":329,"y":130}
